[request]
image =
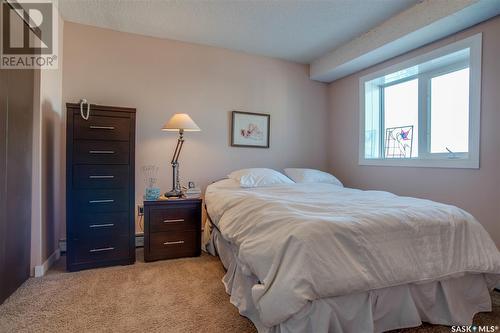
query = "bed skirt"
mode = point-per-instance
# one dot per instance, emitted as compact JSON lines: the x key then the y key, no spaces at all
{"x":452,"y":301}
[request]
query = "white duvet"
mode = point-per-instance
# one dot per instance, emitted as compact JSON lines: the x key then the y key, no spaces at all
{"x":305,"y":242}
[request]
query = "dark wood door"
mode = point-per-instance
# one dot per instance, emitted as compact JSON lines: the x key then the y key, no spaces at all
{"x":16,"y":135}
{"x":3,"y":174}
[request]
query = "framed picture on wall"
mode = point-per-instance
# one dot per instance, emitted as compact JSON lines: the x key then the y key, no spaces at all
{"x":250,"y":129}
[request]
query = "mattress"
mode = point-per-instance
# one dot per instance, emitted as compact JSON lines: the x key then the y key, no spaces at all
{"x":298,"y":246}
{"x":452,"y":301}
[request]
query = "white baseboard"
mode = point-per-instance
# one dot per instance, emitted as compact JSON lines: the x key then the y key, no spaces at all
{"x":40,"y":270}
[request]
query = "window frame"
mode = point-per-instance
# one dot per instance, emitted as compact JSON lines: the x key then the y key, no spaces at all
{"x":425,"y":158}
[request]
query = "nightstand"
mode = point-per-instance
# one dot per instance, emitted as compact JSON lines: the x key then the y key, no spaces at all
{"x":172,"y":229}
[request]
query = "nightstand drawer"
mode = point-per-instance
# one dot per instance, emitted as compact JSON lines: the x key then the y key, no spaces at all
{"x":101,"y":152}
{"x":186,"y":217}
{"x":102,"y":128}
{"x":175,"y":244}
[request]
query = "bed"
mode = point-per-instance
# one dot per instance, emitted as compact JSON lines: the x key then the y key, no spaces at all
{"x":304,"y":257}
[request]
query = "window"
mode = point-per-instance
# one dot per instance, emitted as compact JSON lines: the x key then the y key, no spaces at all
{"x":397,"y":97}
{"x":424,"y":112}
{"x":449,"y":111}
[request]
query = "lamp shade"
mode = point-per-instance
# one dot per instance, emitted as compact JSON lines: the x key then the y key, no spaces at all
{"x":181,"y":121}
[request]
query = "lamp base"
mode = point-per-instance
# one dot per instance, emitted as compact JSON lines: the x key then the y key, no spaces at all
{"x":173,"y":194}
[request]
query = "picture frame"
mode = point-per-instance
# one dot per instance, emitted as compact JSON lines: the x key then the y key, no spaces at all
{"x":249,"y":129}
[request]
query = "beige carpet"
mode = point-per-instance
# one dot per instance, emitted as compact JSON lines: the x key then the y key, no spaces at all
{"x":183,"y":295}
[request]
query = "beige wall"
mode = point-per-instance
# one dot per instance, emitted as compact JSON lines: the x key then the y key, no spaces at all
{"x":477,"y":191}
{"x":160,"y":77}
{"x":47,"y":190}
{"x":52,"y":124}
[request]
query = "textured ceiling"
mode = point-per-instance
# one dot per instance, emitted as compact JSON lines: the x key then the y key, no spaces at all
{"x":299,"y":31}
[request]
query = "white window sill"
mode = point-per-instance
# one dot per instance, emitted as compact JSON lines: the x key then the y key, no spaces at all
{"x":422,"y":163}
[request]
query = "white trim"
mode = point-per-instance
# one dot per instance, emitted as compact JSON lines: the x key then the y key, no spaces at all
{"x":476,"y":56}
{"x":421,"y":163}
{"x":468,"y":42}
{"x":41,"y":270}
{"x":474,"y":43}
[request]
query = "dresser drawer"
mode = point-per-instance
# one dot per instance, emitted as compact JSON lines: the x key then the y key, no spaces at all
{"x":105,"y":201}
{"x":100,"y":176}
{"x":175,"y":244}
{"x":102,"y":128}
{"x":101,"y":152}
{"x":101,"y":224}
{"x":94,"y":249}
{"x":186,"y":217}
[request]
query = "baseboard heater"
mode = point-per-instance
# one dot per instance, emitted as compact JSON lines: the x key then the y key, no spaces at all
{"x":139,"y":240}
{"x":62,"y":245}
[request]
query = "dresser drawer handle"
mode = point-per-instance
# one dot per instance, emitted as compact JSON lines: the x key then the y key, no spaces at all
{"x":102,"y":127}
{"x":101,"y":177}
{"x":174,"y":242}
{"x":173,"y":221}
{"x":102,"y":249}
{"x":101,"y":151}
{"x":106,"y":225}
{"x":101,"y":201}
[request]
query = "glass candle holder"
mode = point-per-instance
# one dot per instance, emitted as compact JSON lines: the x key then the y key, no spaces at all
{"x":152,"y":193}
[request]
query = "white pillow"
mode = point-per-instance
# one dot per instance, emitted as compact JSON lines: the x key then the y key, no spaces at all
{"x":256,"y":177}
{"x":299,"y":175}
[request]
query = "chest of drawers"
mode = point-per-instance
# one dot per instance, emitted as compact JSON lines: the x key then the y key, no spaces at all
{"x":100,"y":156}
{"x":172,"y":229}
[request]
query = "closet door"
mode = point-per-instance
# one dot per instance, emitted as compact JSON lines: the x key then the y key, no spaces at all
{"x":16,"y":133}
{"x":3,"y":177}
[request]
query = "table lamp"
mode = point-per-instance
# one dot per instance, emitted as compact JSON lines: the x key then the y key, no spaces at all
{"x":179,"y":122}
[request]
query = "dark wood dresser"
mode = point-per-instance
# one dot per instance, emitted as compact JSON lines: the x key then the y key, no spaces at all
{"x":172,"y":229}
{"x":100,"y":160}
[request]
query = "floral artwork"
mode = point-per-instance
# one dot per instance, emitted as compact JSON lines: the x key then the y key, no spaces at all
{"x":252,"y":132}
{"x":250,"y":129}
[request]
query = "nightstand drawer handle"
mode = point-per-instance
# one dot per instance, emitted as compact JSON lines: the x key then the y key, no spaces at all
{"x":102,"y":225}
{"x":101,"y":151}
{"x":101,"y":177}
{"x":173,"y":221}
{"x":102,"y":127}
{"x":101,"y":201}
{"x":102,"y":249}
{"x":173,"y":243}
